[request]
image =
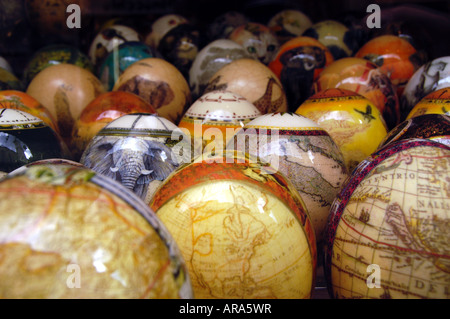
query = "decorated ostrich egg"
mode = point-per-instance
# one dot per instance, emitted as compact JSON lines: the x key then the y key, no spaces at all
{"x":222,"y":25}
{"x":398,"y":58}
{"x":298,"y":64}
{"x":288,"y":24}
{"x":436,"y":102}
{"x":215,"y":117}
{"x":13,"y":99}
{"x":210,"y":59}
{"x":159,"y":83}
{"x":120,"y":58}
{"x":304,"y":152}
{"x":257,"y":39}
{"x":9,"y":81}
{"x":353,"y":121}
{"x":254,"y":81}
{"x":65,"y":90}
{"x":55,"y":54}
{"x":388,"y":231}
{"x":432,"y":76}
{"x":242,"y":226}
{"x":161,"y":26}
{"x":431,"y":126}
{"x":109,"y":38}
{"x":77,"y":234}
{"x":139,"y":151}
{"x":104,"y":109}
{"x":335,"y":35}
{"x":365,"y":78}
{"x":25,"y":138}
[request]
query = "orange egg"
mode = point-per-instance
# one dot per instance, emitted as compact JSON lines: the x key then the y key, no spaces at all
{"x":159,"y":83}
{"x":101,"y":111}
{"x":65,"y":90}
{"x":366,"y":78}
{"x":437,"y":102}
{"x":254,"y":81}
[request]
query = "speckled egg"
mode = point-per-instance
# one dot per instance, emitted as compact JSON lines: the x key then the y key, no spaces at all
{"x":65,"y":90}
{"x":395,"y":56}
{"x":288,"y":24}
{"x":81,"y":235}
{"x":301,"y":150}
{"x":431,"y":76}
{"x":353,"y":121}
{"x":253,"y":80}
{"x":210,"y":59}
{"x":242,"y":226}
{"x":336,"y":36}
{"x":161,"y":26}
{"x":436,"y":102}
{"x":121,"y":58}
{"x":55,"y":54}
{"x":102,"y":110}
{"x":214,"y":118}
{"x":222,"y":25}
{"x":25,"y":138}
{"x":9,"y":81}
{"x":159,"y":83}
{"x":427,"y":126}
{"x":298,"y":64}
{"x":365,"y":78}
{"x":109,"y":38}
{"x":257,"y":39}
{"x":139,"y":151}
{"x":13,"y":99}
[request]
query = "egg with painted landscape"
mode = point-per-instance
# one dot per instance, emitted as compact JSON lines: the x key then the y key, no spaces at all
{"x":253,"y":80}
{"x":139,"y":151}
{"x":242,"y":226}
{"x":97,"y":240}
{"x":211,"y":59}
{"x":213,"y":119}
{"x":159,"y":83}
{"x":353,"y":122}
{"x":388,"y":232}
{"x":304,"y":152}
{"x":104,"y":109}
{"x":365,"y":78}
{"x":25,"y":138}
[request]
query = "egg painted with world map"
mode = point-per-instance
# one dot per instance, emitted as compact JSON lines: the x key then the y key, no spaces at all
{"x":301,"y":150}
{"x":388,"y":232}
{"x":83,"y":236}
{"x":242,"y":226}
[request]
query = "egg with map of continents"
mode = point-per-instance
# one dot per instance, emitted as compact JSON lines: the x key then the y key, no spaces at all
{"x":25,"y":138}
{"x":242,"y":226}
{"x":388,"y":232}
{"x":353,"y":122}
{"x":301,"y":150}
{"x":101,"y":111}
{"x":139,"y":151}
{"x":160,"y":84}
{"x":209,"y":60}
{"x":436,"y":102}
{"x":431,"y":126}
{"x":432,"y":76}
{"x":254,"y":81}
{"x":80,"y":235}
{"x":213,"y":119}
{"x":65,"y":90}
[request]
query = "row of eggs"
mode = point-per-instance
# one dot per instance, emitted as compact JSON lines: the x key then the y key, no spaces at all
{"x":248,"y":241}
